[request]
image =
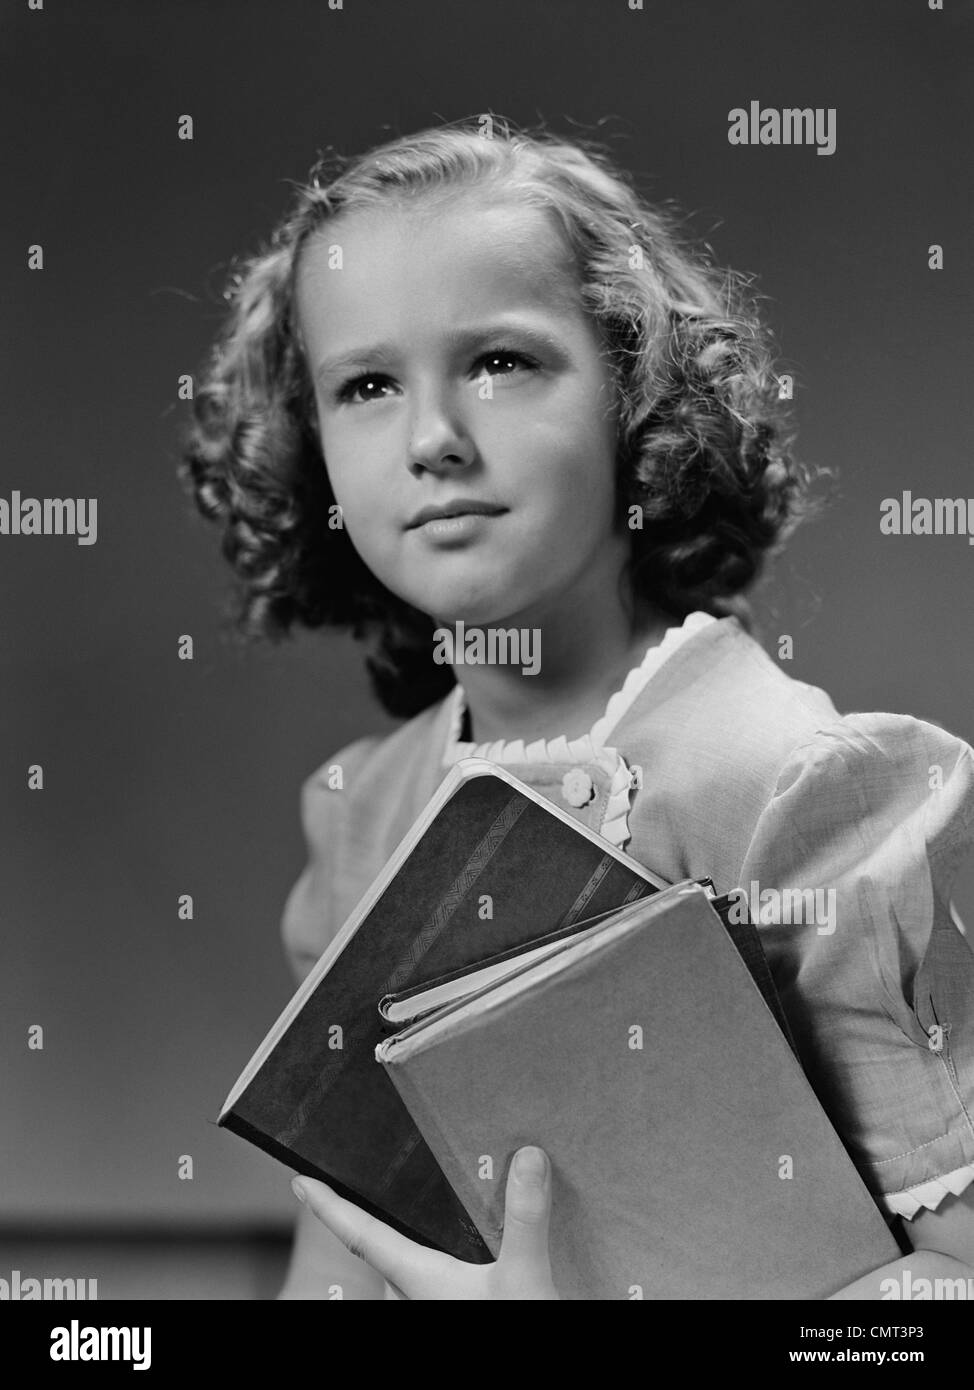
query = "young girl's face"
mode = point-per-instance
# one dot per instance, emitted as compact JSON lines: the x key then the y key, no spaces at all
{"x":454,"y":365}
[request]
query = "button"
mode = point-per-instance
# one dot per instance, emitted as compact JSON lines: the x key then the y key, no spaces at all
{"x":577,"y":787}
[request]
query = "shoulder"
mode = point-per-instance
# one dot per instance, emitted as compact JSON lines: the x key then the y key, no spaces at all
{"x":738,"y":757}
{"x":887,"y":768}
{"x":741,"y":708}
{"x":354,"y":808}
{"x":322,"y":796}
{"x":886,"y":796}
{"x":365,"y":782}
{"x":721,"y":708}
{"x":802,"y":728}
{"x":712,"y":730}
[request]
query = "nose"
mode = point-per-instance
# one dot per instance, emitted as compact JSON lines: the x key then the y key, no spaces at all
{"x":438,"y":440}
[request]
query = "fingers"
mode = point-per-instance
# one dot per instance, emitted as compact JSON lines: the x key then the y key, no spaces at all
{"x":527,"y":1209}
{"x":399,"y":1260}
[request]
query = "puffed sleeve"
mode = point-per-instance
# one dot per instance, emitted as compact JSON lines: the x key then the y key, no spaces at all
{"x":864,"y":833}
{"x":309,"y":919}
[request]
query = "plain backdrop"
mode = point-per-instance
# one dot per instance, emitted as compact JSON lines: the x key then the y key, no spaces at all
{"x":164,"y":777}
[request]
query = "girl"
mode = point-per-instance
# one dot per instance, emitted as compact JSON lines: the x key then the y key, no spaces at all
{"x":476,"y":378}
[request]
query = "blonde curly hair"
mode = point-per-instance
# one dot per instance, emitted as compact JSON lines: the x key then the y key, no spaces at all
{"x":703,"y":447}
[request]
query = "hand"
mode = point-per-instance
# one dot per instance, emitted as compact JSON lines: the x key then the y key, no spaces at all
{"x":521,"y":1271}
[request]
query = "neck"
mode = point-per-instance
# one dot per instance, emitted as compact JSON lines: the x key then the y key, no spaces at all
{"x":588,"y":645}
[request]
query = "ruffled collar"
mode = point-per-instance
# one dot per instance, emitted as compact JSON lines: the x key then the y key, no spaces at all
{"x":560,"y":749}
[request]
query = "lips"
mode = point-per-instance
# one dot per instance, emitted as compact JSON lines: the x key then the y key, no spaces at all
{"x":459,"y":507}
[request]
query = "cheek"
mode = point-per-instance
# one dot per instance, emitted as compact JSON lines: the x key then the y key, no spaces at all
{"x":348,"y":477}
{"x":577,"y":484}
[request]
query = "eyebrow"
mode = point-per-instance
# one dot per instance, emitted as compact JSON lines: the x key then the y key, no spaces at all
{"x":463,"y":338}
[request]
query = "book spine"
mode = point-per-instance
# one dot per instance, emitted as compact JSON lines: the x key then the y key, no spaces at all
{"x":731,"y":908}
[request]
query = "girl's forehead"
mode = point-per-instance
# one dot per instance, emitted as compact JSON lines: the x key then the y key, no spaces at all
{"x":467,"y":245}
{"x":464,"y":214}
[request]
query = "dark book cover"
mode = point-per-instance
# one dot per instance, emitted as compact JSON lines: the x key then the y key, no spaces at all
{"x":490,"y":866}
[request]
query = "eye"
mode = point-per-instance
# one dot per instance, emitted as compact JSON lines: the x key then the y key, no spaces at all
{"x":347,"y":392}
{"x":495,"y":362}
{"x":496,"y":355}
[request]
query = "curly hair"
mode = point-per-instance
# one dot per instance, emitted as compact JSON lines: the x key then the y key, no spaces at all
{"x":704,"y":475}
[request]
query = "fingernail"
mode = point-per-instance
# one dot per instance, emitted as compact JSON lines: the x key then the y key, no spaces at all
{"x":531,"y":1165}
{"x":298,"y":1190}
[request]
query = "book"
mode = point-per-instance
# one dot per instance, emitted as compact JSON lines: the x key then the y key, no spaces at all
{"x":690,"y":1157}
{"x":406,"y":1005}
{"x":488,"y":866}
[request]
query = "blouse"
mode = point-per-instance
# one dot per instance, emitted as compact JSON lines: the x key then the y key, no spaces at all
{"x":844,"y":832}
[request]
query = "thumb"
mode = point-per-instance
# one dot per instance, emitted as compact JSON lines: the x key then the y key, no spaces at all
{"x":527,"y":1208}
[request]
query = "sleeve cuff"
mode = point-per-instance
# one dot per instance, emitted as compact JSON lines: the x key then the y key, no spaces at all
{"x":928,"y":1194}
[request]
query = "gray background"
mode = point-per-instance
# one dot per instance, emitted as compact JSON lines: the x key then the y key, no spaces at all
{"x":165,"y":777}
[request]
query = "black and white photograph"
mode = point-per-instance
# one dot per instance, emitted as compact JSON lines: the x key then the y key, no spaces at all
{"x":487,"y":551}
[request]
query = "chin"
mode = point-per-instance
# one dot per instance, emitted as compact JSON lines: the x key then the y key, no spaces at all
{"x":469,"y":616}
{"x":453,"y":603}
{"x":473,"y":613}
{"x":478,"y":602}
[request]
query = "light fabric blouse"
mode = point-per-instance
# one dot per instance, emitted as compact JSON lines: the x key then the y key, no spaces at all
{"x":577,"y":787}
{"x":721,"y":765}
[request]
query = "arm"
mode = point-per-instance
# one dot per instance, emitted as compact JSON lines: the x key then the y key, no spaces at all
{"x":320,"y":1264}
{"x":859,"y":811}
{"x":943,"y":1242}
